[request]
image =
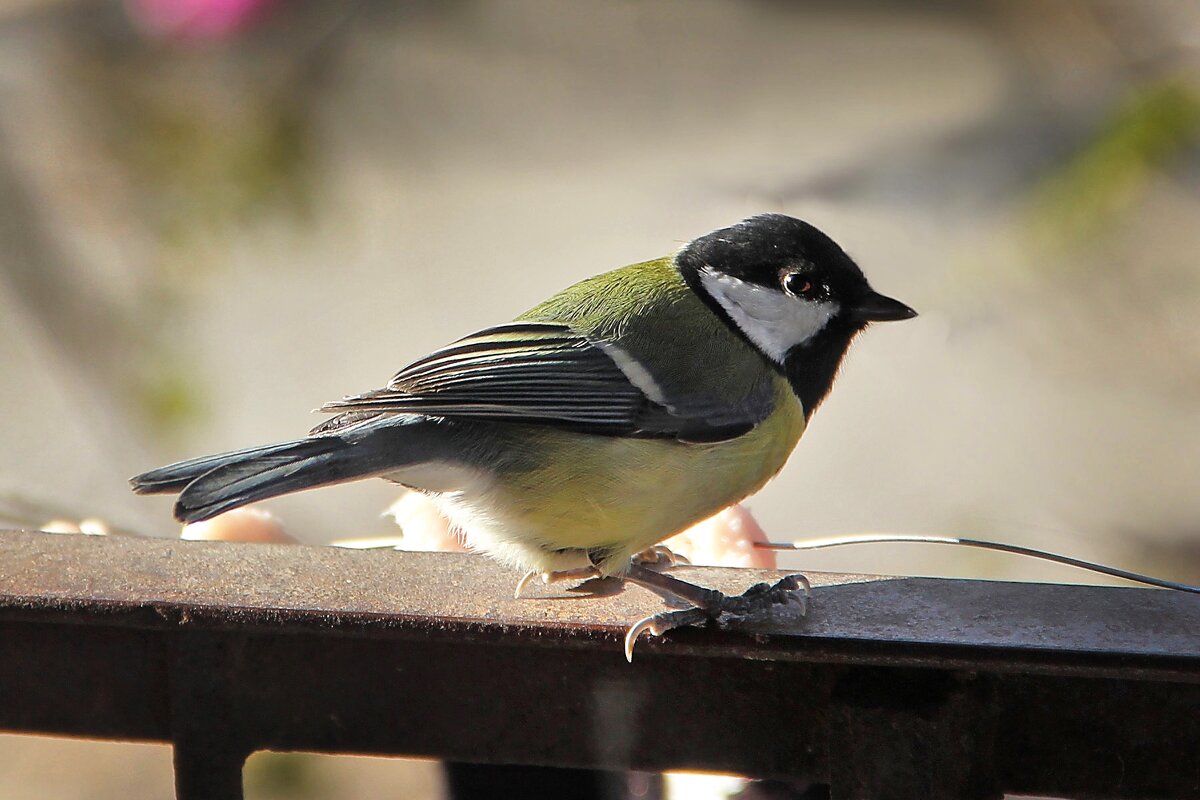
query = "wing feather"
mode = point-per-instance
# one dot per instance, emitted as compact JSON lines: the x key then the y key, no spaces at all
{"x":539,"y":373}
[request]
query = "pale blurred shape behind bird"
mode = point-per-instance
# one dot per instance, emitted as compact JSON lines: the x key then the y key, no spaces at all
{"x":725,"y":539}
{"x":239,"y":525}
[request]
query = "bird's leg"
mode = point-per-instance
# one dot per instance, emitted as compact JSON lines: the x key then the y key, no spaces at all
{"x":581,"y":573}
{"x":657,"y":557}
{"x":709,"y":604}
{"x":706,"y":599}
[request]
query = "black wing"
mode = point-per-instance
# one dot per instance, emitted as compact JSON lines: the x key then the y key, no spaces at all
{"x":534,"y":373}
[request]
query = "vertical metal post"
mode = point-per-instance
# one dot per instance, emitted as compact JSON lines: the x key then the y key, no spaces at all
{"x":207,"y":734}
{"x":207,"y":772}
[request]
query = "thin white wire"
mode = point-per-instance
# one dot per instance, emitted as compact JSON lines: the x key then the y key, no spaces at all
{"x":881,"y":538}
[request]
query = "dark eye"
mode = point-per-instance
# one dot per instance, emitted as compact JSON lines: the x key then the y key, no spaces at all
{"x":797,"y":285}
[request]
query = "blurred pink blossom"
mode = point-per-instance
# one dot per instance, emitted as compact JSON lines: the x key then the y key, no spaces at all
{"x":196,"y":19}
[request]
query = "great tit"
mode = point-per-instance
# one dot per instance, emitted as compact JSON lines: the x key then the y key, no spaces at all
{"x":614,"y":414}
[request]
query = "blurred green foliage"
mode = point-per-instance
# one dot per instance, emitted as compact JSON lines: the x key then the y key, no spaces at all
{"x":212,"y":141}
{"x":211,"y":167}
{"x":169,"y":396}
{"x":211,"y":137}
{"x":1137,"y":142}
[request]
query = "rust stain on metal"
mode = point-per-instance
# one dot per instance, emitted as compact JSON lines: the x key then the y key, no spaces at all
{"x":897,"y":687}
{"x":214,"y":584}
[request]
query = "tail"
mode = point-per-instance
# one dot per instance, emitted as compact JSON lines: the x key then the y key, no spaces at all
{"x":212,"y":485}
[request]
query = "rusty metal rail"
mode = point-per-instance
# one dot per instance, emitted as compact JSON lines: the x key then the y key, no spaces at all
{"x":893,"y":687}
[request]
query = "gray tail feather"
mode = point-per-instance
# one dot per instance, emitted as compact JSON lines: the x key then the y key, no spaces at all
{"x":215,"y":484}
{"x":174,"y":477}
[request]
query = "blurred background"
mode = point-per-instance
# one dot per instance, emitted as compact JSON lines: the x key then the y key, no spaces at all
{"x":216,"y":215}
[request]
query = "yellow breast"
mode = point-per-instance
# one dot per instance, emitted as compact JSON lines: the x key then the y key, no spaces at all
{"x":620,"y":494}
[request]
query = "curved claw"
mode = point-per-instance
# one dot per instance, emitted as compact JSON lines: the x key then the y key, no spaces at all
{"x":660,"y":623}
{"x":635,"y":630}
{"x":660,"y":556}
{"x":526,"y":579}
{"x":790,"y":583}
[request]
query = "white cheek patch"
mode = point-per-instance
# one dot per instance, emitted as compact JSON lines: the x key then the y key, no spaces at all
{"x":773,"y":320}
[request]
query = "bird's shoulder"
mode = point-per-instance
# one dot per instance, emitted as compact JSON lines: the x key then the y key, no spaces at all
{"x":648,"y":313}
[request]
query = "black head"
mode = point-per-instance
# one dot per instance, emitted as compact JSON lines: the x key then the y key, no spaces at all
{"x":790,"y":291}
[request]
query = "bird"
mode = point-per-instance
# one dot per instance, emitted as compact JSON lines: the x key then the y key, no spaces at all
{"x":616,"y":413}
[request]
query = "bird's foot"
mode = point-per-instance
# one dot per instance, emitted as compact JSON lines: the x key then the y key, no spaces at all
{"x":657,"y":557}
{"x":790,"y":593}
{"x":582,"y":573}
{"x":660,"y":556}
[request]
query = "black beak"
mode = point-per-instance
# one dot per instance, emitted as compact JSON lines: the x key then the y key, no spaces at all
{"x":877,"y":308}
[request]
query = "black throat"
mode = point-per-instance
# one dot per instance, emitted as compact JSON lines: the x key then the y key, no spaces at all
{"x":812,"y":366}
